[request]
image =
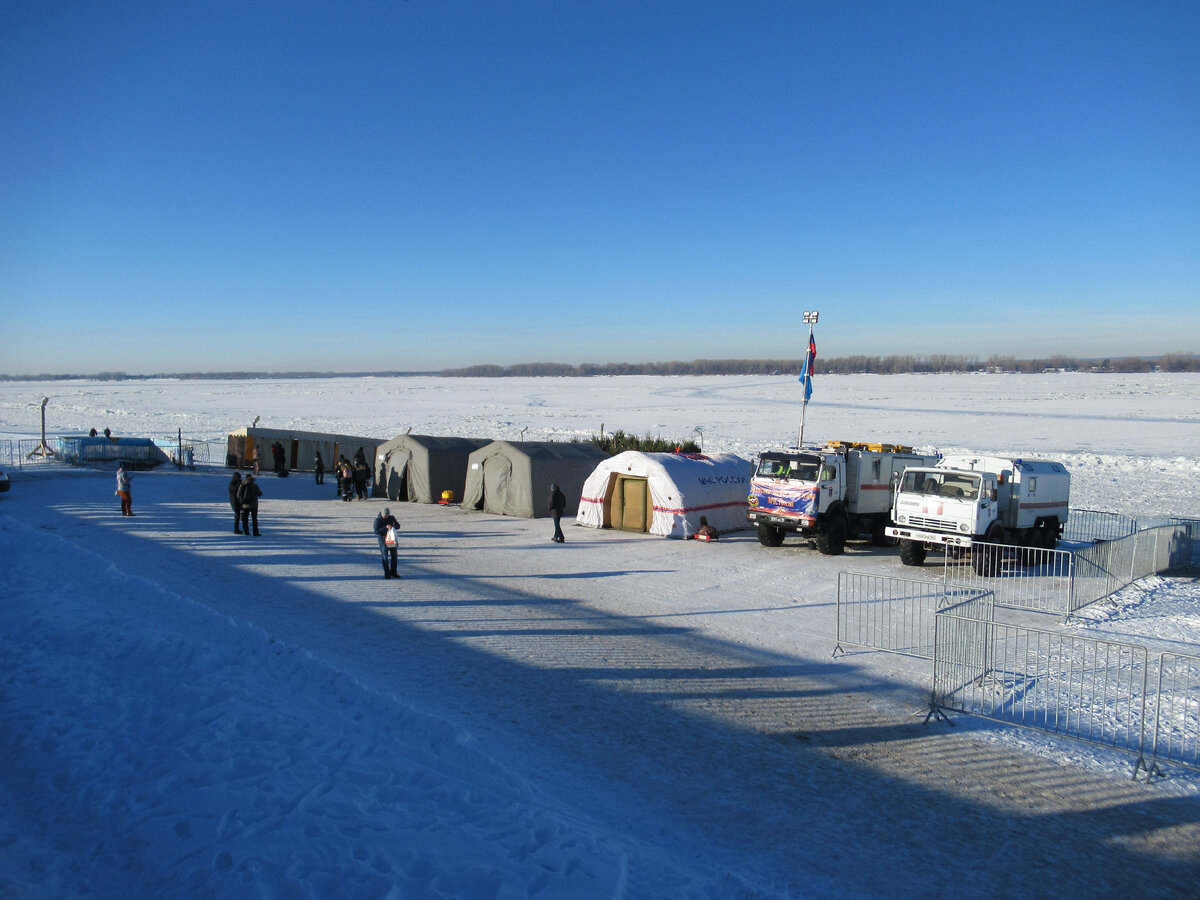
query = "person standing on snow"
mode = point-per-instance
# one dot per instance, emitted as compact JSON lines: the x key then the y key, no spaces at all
{"x":319,"y":467}
{"x":235,"y":485}
{"x":386,"y":528}
{"x":124,"y":490}
{"x":361,"y":475}
{"x":558,"y":505}
{"x":248,"y":497}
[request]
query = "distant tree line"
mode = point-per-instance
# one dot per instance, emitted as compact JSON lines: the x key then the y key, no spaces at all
{"x":837,"y":365}
{"x":211,"y":376}
{"x":842,"y":365}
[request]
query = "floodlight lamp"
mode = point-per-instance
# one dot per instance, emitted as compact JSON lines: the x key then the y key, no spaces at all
{"x":810,"y":316}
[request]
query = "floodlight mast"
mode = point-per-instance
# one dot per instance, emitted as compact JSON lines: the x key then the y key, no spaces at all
{"x":42,"y":449}
{"x":810,"y":319}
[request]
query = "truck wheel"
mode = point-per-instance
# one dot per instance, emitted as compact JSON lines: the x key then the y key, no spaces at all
{"x":912,"y":553}
{"x":769,"y":535}
{"x":1050,"y":536}
{"x":831,"y":540}
{"x":985,"y":560}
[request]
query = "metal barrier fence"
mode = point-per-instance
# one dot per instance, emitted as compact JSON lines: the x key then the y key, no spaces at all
{"x":1031,"y":578}
{"x":1103,"y":569}
{"x":1087,"y":525}
{"x":32,"y":452}
{"x":68,"y":449}
{"x":1177,"y":712}
{"x":888,"y":613}
{"x":1083,"y":688}
{"x":961,"y":637}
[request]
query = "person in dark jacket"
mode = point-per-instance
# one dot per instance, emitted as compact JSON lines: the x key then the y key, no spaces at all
{"x":383,"y":522}
{"x":235,"y":485}
{"x":361,"y":475}
{"x":319,"y":467}
{"x":248,"y":496}
{"x":558,"y":505}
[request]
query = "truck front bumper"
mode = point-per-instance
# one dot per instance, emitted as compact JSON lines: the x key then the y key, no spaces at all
{"x":928,"y":537}
{"x":791,"y":523}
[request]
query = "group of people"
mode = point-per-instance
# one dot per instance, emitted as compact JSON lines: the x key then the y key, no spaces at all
{"x":352,"y":478}
{"x":279,"y":459}
{"x":243,"y":497}
{"x":244,"y":494}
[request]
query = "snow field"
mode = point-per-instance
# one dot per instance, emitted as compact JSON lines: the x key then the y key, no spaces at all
{"x":193,"y":712}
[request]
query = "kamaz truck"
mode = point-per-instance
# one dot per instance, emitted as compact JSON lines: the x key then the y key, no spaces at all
{"x":968,"y":499}
{"x":827,"y":495}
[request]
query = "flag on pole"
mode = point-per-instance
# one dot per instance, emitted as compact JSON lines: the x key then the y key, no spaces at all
{"x":806,"y":373}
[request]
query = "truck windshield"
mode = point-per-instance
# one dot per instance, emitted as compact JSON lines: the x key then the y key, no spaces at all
{"x":796,"y":468}
{"x":930,"y":482}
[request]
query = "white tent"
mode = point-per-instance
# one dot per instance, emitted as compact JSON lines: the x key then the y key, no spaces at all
{"x":666,"y":493}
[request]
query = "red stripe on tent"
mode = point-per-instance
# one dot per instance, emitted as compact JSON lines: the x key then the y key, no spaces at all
{"x":688,"y":509}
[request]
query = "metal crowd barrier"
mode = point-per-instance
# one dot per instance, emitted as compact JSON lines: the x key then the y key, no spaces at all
{"x":1105,"y":568}
{"x":1083,"y":688}
{"x":892,"y":614}
{"x":1087,"y":525}
{"x":1177,"y":712}
{"x":1032,"y":578}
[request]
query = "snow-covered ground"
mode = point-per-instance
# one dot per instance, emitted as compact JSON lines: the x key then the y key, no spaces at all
{"x":187,"y":712}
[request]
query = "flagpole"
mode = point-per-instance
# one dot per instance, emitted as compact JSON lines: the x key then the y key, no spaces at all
{"x":810,"y":316}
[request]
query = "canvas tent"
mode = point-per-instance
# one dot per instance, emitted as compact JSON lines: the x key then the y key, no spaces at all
{"x":666,"y":493}
{"x":513,"y":478}
{"x":419,"y":467}
{"x":300,"y":447}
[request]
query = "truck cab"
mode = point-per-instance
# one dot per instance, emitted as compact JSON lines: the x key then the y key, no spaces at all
{"x":784,"y":489}
{"x":969,"y":499}
{"x":955,"y":504}
{"x":827,"y":495}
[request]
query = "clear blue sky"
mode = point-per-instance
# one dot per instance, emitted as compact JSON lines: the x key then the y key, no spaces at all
{"x":196,"y":186}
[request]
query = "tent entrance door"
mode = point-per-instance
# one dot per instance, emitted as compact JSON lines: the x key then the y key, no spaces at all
{"x":631,"y":504}
{"x":497,"y":472}
{"x":235,"y":453}
{"x":394,"y":472}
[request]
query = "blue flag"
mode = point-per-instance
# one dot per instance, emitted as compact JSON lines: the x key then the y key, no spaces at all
{"x":806,"y":373}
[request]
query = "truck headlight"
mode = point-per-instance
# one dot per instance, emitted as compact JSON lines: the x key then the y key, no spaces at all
{"x":962,"y":526}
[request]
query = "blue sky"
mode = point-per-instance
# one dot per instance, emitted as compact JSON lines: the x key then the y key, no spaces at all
{"x":415,"y":185}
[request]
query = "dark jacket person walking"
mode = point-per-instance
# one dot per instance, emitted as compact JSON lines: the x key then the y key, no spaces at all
{"x":235,"y":485}
{"x":248,"y":495}
{"x":558,"y":505}
{"x":386,"y":527}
